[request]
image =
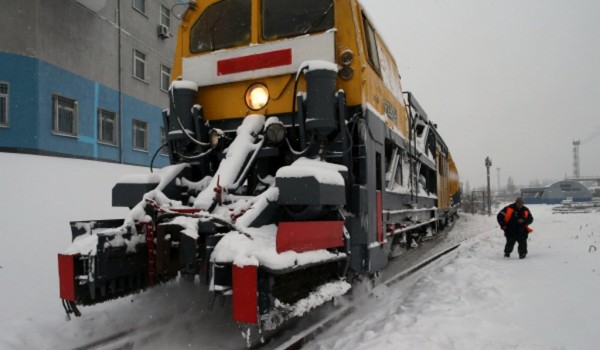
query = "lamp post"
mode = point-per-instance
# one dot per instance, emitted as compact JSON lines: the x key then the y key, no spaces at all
{"x":488,"y":164}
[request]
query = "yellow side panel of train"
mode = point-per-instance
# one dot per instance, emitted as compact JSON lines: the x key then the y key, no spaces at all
{"x":454,"y":182}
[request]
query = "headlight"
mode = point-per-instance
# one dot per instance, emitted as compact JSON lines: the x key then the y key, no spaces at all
{"x":346,"y":72}
{"x":275,"y":132}
{"x":257,"y":96}
{"x":346,"y":57}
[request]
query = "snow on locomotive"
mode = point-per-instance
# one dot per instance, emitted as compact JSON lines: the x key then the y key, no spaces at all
{"x":297,"y":163}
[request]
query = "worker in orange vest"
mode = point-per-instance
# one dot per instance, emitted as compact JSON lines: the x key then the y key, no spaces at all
{"x":514,"y":220}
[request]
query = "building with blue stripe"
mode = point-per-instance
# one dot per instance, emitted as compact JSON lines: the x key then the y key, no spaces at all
{"x":87,"y":81}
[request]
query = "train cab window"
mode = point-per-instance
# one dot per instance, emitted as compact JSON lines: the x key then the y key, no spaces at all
{"x":287,"y":18}
{"x":223,"y":25}
{"x":371,"y":42}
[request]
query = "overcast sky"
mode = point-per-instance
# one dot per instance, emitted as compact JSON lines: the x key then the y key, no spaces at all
{"x":515,"y":80}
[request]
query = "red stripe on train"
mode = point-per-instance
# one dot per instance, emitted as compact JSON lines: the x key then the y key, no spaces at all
{"x":303,"y":236}
{"x":66,"y":276}
{"x":245,"y":291}
{"x":252,"y":62}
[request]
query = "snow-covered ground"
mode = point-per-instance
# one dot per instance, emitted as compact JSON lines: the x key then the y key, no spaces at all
{"x":477,"y":299}
{"x":471,"y":298}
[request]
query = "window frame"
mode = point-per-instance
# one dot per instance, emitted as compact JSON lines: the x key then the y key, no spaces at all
{"x":165,"y":73}
{"x":56,"y":99}
{"x":162,"y":15}
{"x":136,"y":125}
{"x":115,"y":132}
{"x":163,"y":139}
{"x":140,"y":10}
{"x":371,"y":45}
{"x":136,"y":58}
{"x":5,"y":112}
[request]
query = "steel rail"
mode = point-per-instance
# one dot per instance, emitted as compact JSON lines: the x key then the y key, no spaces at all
{"x":298,"y":340}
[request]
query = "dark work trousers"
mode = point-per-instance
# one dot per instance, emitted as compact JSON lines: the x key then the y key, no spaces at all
{"x":510,"y":244}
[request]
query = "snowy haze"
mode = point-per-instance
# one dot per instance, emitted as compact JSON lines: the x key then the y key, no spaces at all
{"x":514,"y":80}
{"x":471,"y":298}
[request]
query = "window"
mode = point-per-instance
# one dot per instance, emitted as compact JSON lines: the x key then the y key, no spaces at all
{"x":3,"y":104}
{"x":165,"y":16}
{"x":139,"y":65}
{"x":140,"y":5}
{"x":107,"y":127}
{"x":222,"y":25}
{"x":286,"y":18}
{"x":140,"y":136}
{"x":371,"y":42}
{"x":163,"y":140}
{"x":165,"y":78}
{"x":64,"y":116}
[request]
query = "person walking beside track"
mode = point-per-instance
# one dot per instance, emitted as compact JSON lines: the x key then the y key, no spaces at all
{"x":514,"y":220}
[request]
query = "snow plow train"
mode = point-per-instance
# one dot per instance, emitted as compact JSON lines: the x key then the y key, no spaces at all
{"x":297,"y":165}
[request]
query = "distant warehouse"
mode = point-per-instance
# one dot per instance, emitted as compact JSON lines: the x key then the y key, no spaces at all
{"x":557,"y":192}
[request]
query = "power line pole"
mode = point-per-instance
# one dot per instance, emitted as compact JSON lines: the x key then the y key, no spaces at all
{"x":488,"y":164}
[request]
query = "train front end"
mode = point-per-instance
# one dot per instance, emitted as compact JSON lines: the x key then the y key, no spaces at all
{"x":257,"y":136}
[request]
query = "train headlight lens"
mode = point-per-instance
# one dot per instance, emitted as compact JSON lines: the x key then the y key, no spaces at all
{"x":275,"y":133}
{"x":257,"y":96}
{"x":214,"y":137}
{"x":346,"y":57}
{"x":346,"y":72}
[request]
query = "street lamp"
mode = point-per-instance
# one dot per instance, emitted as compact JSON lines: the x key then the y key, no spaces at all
{"x":488,"y":164}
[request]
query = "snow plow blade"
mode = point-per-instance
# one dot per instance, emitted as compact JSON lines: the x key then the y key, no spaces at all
{"x":106,"y":272}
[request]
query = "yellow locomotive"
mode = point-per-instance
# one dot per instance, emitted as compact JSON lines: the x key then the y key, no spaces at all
{"x":298,"y":163}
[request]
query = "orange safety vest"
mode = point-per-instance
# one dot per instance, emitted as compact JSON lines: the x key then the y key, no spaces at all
{"x":509,"y":213}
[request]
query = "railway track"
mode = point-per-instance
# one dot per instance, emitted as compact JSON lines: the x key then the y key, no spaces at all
{"x":295,"y":335}
{"x":298,"y":340}
{"x":398,"y":270}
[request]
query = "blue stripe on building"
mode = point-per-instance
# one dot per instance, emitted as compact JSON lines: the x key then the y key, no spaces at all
{"x":32,"y":85}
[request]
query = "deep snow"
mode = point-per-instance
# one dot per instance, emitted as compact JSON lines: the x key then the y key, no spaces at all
{"x":470,"y":299}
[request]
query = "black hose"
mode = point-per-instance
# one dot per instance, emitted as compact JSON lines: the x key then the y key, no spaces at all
{"x":190,"y":136}
{"x":294,"y":98}
{"x":294,"y":117}
{"x":154,"y":156}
